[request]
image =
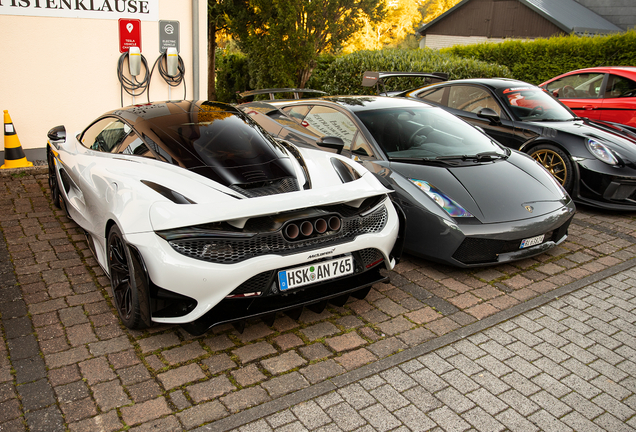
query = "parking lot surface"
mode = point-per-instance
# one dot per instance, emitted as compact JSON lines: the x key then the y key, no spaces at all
{"x":70,"y":364}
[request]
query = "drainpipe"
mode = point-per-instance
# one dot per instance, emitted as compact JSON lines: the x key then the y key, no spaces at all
{"x":195,"y":49}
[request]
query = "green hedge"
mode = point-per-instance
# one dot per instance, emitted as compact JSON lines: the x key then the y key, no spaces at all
{"x":232,"y":75}
{"x":343,"y":75}
{"x":539,"y":60}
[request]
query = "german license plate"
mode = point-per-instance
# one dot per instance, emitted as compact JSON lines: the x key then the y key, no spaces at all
{"x":532,"y":241}
{"x":317,"y":272}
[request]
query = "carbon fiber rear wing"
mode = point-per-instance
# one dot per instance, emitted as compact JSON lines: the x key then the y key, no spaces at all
{"x":375,"y":79}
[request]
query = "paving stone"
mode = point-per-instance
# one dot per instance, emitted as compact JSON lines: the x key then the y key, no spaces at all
{"x":355,"y":359}
{"x":181,"y":375}
{"x":310,"y":415}
{"x":123,"y":359}
{"x":219,"y":343}
{"x":109,"y":346}
{"x":253,"y":332}
{"x":284,"y":384}
{"x":218,"y":363}
{"x":211,"y":389}
{"x":248,"y":375}
{"x":142,"y":412}
{"x":242,"y":399}
{"x":96,"y":370}
{"x":345,"y":342}
{"x":23,"y":347}
{"x":133,"y":374}
{"x":154,"y":343}
{"x":345,"y":417}
{"x":183,"y":353}
{"x":315,"y":351}
{"x":109,"y":395}
{"x":283,"y":363}
{"x":387,"y":347}
{"x":320,"y":371}
{"x":320,"y":330}
{"x":29,"y":369}
{"x":254,"y":351}
{"x":9,"y":410}
{"x":71,"y":392}
{"x":36,"y":395}
{"x":166,"y":424}
{"x":79,"y":409}
{"x":45,"y":420}
{"x":64,"y":375}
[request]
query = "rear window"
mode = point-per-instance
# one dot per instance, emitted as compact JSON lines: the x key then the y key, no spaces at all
{"x":221,"y":138}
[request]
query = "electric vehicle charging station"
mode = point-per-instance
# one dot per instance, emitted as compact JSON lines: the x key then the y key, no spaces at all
{"x":169,"y":64}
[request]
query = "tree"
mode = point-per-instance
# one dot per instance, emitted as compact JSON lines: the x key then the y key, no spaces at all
{"x":431,"y":9}
{"x":216,"y":24}
{"x":282,"y":39}
{"x":402,"y":16}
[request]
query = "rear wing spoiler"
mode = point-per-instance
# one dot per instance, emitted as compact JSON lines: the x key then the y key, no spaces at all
{"x":375,"y":79}
{"x":271,"y":92}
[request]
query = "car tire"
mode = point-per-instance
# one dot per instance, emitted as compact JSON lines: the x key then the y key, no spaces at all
{"x":53,"y":185}
{"x":557,"y":162}
{"x":128,"y":282}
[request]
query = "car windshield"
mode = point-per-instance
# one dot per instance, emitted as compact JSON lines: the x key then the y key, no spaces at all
{"x":426,"y":133}
{"x":534,"y":104}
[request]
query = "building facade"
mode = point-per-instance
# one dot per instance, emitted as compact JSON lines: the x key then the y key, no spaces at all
{"x":61,"y":59}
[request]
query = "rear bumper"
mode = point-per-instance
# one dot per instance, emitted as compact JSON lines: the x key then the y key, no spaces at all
{"x":237,"y":309}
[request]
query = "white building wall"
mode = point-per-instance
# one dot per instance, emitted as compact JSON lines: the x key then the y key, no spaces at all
{"x":434,"y":41}
{"x":62,"y":71}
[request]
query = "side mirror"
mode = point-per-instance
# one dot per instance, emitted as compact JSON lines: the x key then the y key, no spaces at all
{"x":58,"y":133}
{"x":489,"y":114}
{"x":331,"y":142}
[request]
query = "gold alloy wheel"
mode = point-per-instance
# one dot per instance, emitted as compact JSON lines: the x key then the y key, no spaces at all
{"x":554,"y":163}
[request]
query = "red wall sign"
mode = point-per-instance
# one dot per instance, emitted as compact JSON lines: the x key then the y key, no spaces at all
{"x":129,"y":34}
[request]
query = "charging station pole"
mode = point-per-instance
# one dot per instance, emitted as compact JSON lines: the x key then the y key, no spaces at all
{"x":169,"y":44}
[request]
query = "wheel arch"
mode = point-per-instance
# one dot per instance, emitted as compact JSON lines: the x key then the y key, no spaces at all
{"x":529,"y":145}
{"x":573,"y":187}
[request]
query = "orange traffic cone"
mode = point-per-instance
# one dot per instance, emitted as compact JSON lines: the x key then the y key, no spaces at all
{"x":13,"y":154}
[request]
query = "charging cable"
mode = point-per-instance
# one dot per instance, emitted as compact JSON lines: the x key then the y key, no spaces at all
{"x":132,"y":86}
{"x":174,"y":80}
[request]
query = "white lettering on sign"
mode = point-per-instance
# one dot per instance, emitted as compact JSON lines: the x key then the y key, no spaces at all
{"x":146,"y":10}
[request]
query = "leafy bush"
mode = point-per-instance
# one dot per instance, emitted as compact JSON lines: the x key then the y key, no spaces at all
{"x":539,"y":60}
{"x":343,"y":75}
{"x":232,"y":75}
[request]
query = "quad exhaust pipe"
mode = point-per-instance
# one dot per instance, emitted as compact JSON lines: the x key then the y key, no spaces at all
{"x":308,"y":228}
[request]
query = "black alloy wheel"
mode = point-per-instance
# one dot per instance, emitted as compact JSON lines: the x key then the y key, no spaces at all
{"x":53,"y":185}
{"x":128,"y":283}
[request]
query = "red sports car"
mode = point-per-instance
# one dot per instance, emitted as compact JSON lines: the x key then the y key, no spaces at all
{"x":599,"y":93}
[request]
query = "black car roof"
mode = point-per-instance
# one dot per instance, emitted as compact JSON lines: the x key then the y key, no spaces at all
{"x":493,"y":83}
{"x":358,"y":103}
{"x":136,"y":114}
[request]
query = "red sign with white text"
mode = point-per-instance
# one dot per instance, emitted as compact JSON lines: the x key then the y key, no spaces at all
{"x":129,"y":34}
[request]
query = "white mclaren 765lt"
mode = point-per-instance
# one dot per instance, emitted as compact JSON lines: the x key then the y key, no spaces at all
{"x":200,"y":217}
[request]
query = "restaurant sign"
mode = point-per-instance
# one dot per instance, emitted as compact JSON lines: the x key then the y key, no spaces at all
{"x":146,"y":10}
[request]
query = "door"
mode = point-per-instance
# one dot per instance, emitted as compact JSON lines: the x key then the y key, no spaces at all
{"x":619,"y":104}
{"x":581,"y":93}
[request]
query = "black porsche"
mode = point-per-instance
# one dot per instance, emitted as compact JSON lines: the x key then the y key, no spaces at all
{"x":594,"y":161}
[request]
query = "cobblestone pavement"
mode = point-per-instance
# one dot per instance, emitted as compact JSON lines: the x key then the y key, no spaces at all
{"x":70,"y":364}
{"x":569,"y":365}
